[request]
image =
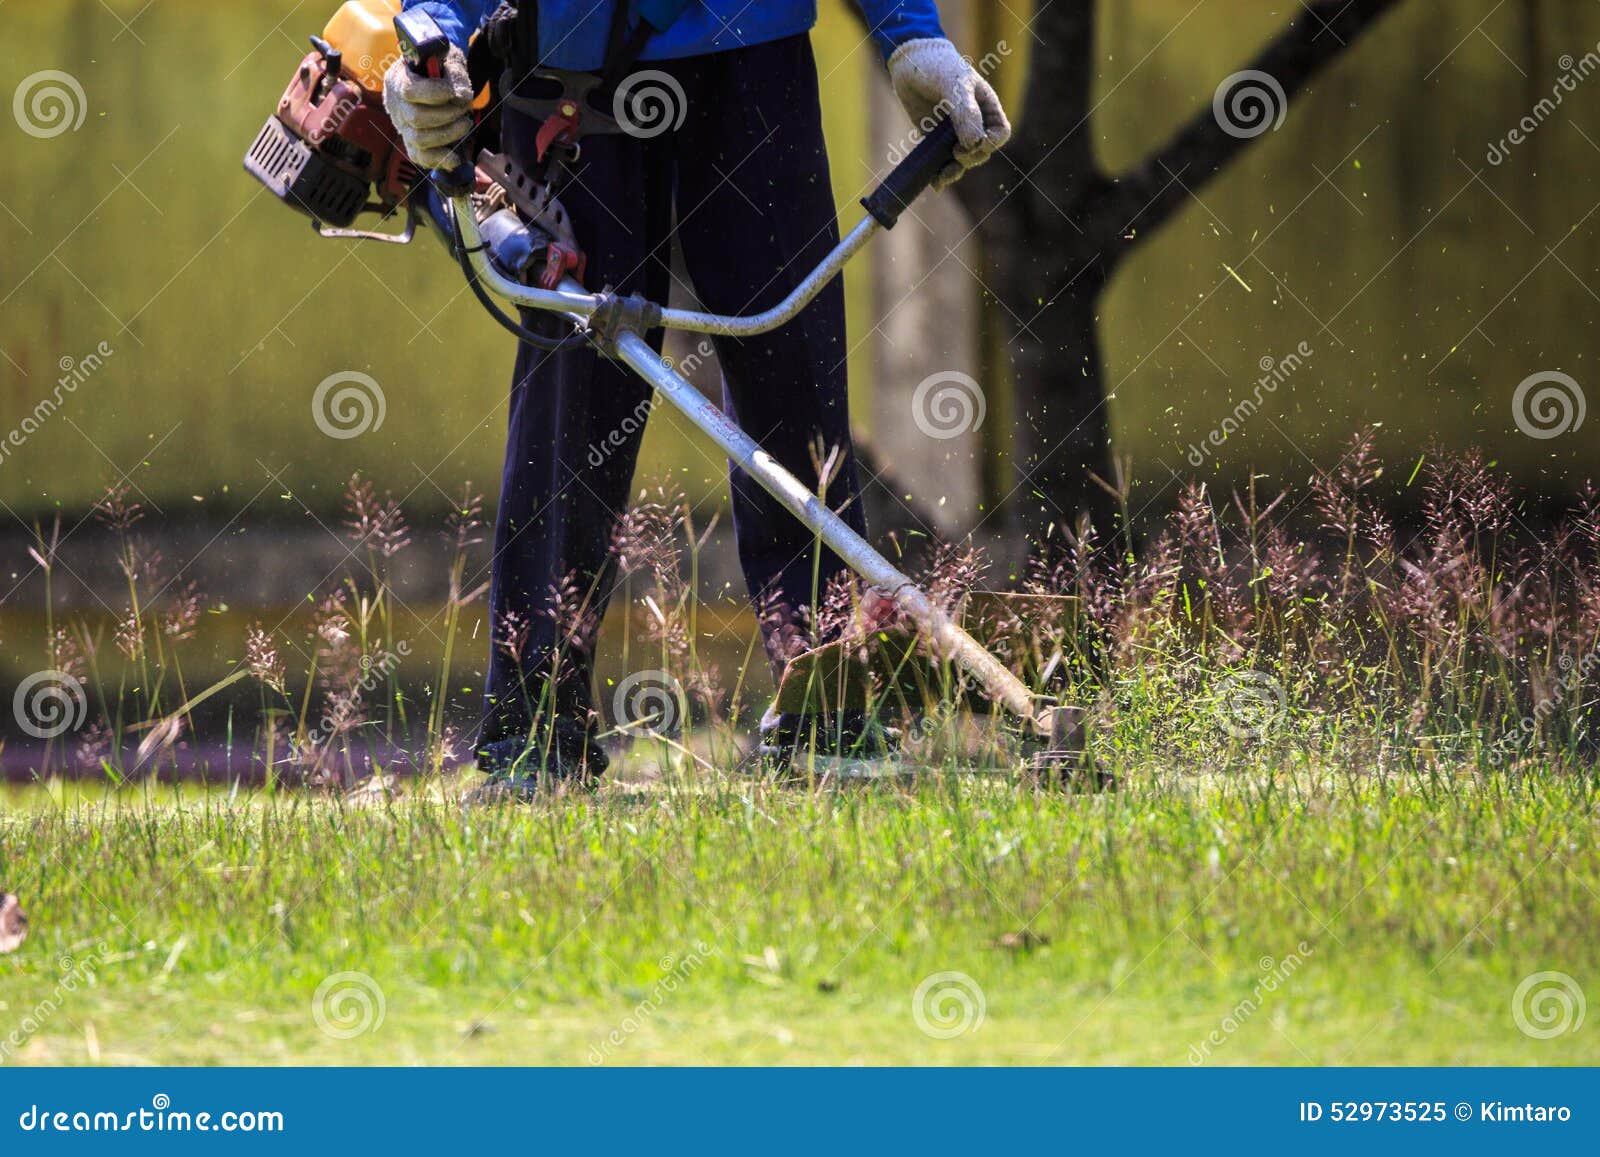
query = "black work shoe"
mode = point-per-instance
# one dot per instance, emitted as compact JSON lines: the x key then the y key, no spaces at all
{"x":521,"y":771}
{"x":770,"y":766}
{"x":524,"y":789}
{"x":850,"y":732}
{"x":850,"y":745}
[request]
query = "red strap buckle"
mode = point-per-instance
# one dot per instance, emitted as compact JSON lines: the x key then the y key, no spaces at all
{"x":561,"y":127}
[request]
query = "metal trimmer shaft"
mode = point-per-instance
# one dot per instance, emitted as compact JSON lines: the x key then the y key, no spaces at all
{"x":618,"y":326}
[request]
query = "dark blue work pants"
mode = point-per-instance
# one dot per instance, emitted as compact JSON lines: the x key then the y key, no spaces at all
{"x":744,"y":183}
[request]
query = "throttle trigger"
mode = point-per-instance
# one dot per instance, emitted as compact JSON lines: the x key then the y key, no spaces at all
{"x":562,"y":127}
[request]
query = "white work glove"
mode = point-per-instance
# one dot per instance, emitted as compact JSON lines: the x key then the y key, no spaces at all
{"x":932,"y":79}
{"x":432,"y":114}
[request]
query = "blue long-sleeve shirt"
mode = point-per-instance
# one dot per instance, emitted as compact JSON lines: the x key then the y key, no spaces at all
{"x":573,"y":33}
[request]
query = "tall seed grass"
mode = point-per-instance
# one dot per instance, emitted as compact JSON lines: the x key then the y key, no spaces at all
{"x":1240,"y":631}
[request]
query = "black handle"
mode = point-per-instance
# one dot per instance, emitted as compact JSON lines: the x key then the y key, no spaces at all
{"x":423,"y":43}
{"x":424,"y":46}
{"x":935,"y":153}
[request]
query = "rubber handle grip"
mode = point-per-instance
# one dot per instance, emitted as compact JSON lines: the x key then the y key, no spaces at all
{"x":423,"y":43}
{"x":935,"y":153}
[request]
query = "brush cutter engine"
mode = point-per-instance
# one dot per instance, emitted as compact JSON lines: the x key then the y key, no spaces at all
{"x":331,"y":152}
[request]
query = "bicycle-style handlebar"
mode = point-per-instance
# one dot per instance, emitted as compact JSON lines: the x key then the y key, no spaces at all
{"x":909,"y":179}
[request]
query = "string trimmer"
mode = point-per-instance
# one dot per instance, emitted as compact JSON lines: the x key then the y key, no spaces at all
{"x":331,"y":153}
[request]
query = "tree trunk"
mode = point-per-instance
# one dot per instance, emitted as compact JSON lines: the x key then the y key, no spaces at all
{"x":1051,"y":275}
{"x":1056,"y":227}
{"x":1063,"y":432}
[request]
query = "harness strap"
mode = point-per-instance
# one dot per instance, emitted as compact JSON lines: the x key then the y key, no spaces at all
{"x":514,"y":33}
{"x":625,"y":46}
{"x":629,"y":39}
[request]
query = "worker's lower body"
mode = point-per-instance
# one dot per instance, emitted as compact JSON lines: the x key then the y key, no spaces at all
{"x":747,"y":175}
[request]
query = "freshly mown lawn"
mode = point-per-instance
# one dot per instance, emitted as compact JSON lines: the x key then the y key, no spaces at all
{"x":1186,"y":919}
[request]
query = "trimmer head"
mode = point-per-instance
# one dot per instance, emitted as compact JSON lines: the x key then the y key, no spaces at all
{"x":1066,"y":763}
{"x":894,"y":668}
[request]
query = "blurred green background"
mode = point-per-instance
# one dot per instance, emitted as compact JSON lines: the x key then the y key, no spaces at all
{"x":1428,"y":282}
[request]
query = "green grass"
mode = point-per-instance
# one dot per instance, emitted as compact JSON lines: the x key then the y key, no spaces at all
{"x":723,"y":923}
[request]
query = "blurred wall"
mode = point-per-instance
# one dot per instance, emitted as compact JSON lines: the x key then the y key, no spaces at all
{"x":207,"y":314}
{"x":194,"y":318}
{"x":1428,"y":280}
